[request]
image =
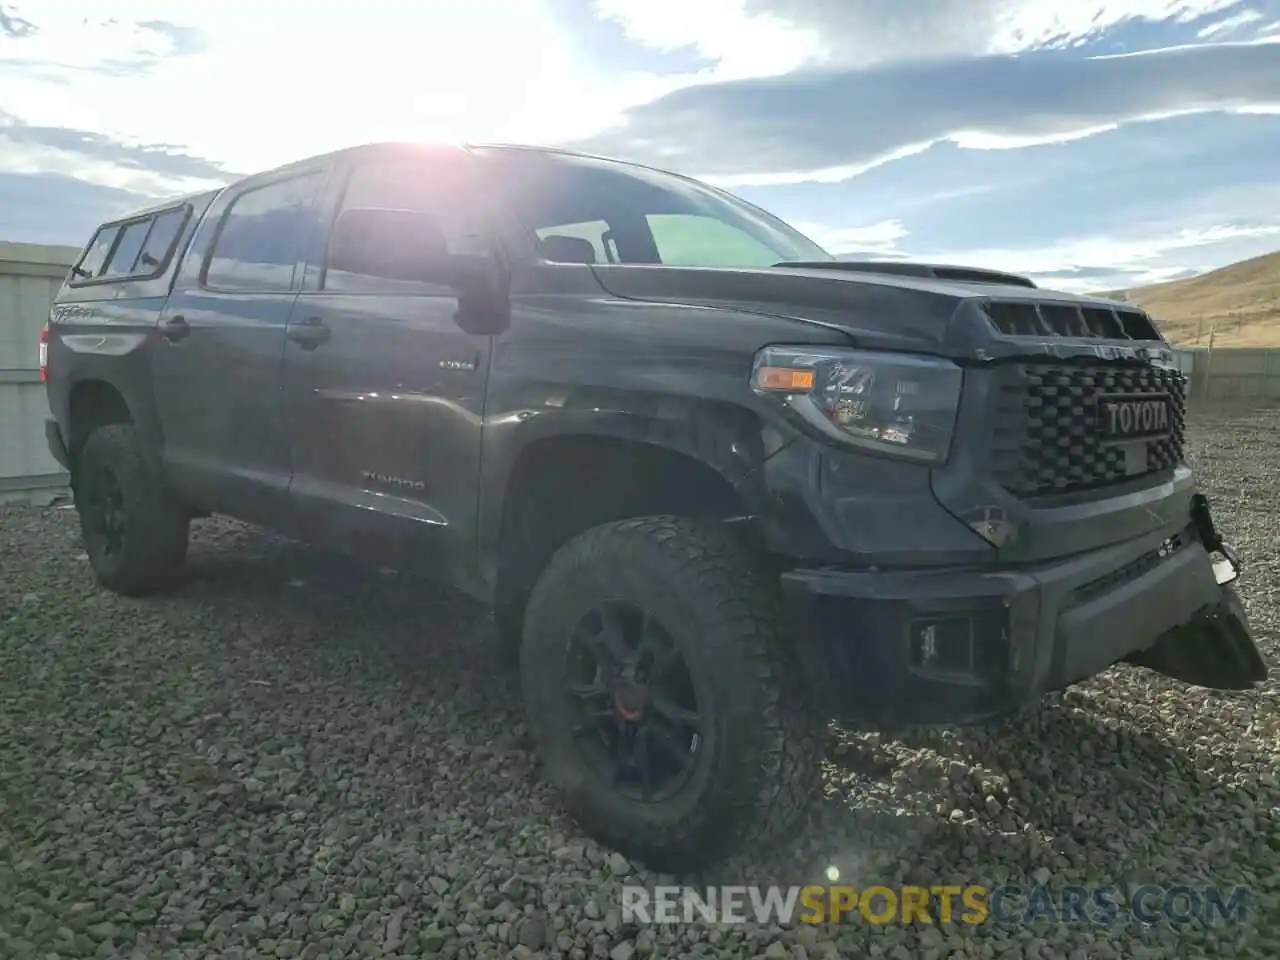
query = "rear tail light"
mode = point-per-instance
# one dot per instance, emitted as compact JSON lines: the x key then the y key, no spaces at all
{"x":44,"y":353}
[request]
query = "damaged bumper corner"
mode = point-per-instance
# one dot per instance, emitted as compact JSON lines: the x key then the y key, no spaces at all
{"x":1216,"y":648}
{"x":957,"y":646}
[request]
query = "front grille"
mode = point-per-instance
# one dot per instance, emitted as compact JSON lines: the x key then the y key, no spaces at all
{"x":1017,"y":319}
{"x":1048,"y":436}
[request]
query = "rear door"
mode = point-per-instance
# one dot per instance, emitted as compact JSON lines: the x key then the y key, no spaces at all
{"x":384,"y":391}
{"x":217,"y":375}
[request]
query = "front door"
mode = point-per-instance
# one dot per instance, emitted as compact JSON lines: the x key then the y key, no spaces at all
{"x":384,"y":392}
{"x":217,"y":370}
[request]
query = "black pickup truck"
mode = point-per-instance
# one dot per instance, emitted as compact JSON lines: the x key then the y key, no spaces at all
{"x":718,"y":487}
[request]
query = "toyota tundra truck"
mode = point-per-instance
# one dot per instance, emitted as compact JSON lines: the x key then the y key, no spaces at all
{"x":719,"y":488}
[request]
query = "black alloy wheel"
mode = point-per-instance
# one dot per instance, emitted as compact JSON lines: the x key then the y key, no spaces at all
{"x":664,"y":695}
{"x":639,"y":725}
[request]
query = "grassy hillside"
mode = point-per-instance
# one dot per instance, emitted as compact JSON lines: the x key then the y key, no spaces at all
{"x":1243,"y":299}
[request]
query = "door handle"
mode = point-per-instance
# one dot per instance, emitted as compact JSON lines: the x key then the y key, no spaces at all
{"x":176,"y":328}
{"x":309,"y":333}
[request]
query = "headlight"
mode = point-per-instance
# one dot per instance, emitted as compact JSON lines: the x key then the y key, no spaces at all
{"x":892,"y":403}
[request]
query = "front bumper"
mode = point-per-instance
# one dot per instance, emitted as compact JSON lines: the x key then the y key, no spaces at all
{"x":966,"y":645}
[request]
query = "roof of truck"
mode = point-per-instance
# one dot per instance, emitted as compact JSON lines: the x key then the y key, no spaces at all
{"x":373,"y":147}
{"x":432,"y":145}
{"x":205,"y":197}
{"x":195,"y":199}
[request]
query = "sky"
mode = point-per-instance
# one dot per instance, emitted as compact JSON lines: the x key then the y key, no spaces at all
{"x":1091,"y":144}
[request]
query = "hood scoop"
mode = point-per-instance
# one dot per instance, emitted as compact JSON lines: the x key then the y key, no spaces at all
{"x":926,"y":271}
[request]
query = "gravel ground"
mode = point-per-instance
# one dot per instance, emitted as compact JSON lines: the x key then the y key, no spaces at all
{"x":288,"y":757}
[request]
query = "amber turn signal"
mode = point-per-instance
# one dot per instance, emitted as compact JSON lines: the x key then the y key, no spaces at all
{"x":784,"y":379}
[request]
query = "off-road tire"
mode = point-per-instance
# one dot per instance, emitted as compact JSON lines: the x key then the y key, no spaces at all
{"x":761,"y":764}
{"x":508,"y":628}
{"x":156,"y":526}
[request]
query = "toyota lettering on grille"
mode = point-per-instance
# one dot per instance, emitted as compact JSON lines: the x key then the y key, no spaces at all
{"x":1127,"y":418}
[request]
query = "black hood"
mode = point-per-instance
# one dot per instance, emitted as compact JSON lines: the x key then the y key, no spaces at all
{"x":963,"y":313}
{"x":912,"y":268}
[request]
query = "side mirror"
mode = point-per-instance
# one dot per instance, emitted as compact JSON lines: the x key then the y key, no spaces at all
{"x":408,"y":246}
{"x":484,"y":297}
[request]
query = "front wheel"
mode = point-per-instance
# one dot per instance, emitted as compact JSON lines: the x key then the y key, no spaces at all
{"x":666,"y":704}
{"x":134,"y":531}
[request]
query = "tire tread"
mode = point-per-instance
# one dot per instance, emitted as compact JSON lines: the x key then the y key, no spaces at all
{"x":157,"y":524}
{"x":767,"y":792}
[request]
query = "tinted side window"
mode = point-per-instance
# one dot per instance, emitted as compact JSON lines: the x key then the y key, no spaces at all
{"x":646,"y":210}
{"x":685,"y":240}
{"x":127,"y":250}
{"x":262,"y":237}
{"x":94,"y":258}
{"x":441,"y":190}
{"x":164,"y":232}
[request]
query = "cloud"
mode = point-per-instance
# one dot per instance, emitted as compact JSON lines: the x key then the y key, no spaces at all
{"x":149,"y":170}
{"x":183,"y":40}
{"x":18,"y":157}
{"x":1141,"y":203}
{"x":1140,"y":257}
{"x":1229,"y":25}
{"x":738,"y":43}
{"x":63,"y":36}
{"x":164,"y":159}
{"x":255,"y":85}
{"x":1137,"y":254}
{"x":12,"y":25}
{"x":56,"y":183}
{"x":1103,"y":261}
{"x":1148,"y":252}
{"x":58,"y":209}
{"x":782,"y":130}
{"x":762,"y":37}
{"x":874,"y":238}
{"x":1135,"y":171}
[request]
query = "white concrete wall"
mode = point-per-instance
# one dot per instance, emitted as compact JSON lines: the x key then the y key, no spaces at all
{"x":30,"y":276}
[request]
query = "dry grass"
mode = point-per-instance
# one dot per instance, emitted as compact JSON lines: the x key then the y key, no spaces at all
{"x":1242,"y":301}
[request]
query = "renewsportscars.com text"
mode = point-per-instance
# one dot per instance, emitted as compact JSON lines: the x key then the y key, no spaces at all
{"x":969,"y":904}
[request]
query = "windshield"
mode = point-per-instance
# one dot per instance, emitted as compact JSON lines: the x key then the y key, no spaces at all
{"x":587,"y":210}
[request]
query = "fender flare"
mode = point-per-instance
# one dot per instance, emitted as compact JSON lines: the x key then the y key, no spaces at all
{"x":732,"y":441}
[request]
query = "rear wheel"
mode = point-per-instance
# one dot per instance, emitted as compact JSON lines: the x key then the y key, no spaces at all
{"x":135,"y":532}
{"x":663,"y":696}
